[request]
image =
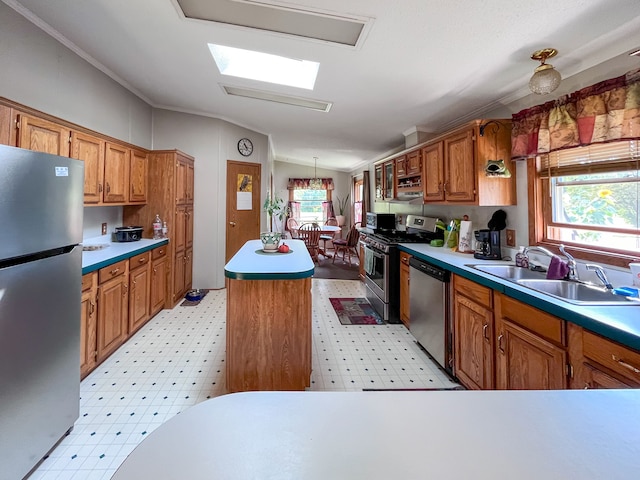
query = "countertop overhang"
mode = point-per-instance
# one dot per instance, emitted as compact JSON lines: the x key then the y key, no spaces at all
{"x":618,"y":322}
{"x":115,"y":251}
{"x":252,"y":263}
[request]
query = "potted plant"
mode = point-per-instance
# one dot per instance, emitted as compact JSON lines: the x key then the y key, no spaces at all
{"x":342,"y":206}
{"x":275,"y":208}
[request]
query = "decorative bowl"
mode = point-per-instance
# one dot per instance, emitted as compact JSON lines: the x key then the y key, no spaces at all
{"x":270,"y":241}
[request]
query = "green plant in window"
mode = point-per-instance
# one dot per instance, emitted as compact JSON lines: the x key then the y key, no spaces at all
{"x":342,"y":204}
{"x":275,"y":208}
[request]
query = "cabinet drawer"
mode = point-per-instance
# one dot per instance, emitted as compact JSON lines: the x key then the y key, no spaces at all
{"x":476,"y":292}
{"x":534,"y":320}
{"x":112,"y":271}
{"x":612,"y":355}
{"x":139,"y":260}
{"x":88,"y":281}
{"x":158,"y":252}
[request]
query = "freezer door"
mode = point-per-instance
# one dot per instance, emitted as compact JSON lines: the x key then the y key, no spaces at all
{"x":39,"y":358}
{"x":41,"y":201}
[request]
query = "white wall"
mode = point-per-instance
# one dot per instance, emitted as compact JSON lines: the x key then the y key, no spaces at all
{"x":212,"y":142}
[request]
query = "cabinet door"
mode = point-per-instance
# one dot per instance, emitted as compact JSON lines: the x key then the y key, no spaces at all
{"x":401,"y":166}
{"x":42,"y":136}
{"x":139,"y":297}
{"x":178,"y":275}
{"x":158,"y":285}
{"x":5,"y":125}
{"x":181,"y":182}
{"x":389,"y":180}
{"x":188,"y":269}
{"x":138,"y":171}
{"x":459,"y":168}
{"x":188,"y":227}
{"x":594,"y":378}
{"x":90,"y":150}
{"x":414,"y":163}
{"x":525,"y":361}
{"x":113,"y":308}
{"x":433,"y":180}
{"x":88,"y":346}
{"x":179,"y":234}
{"x":404,"y":288}
{"x":116,"y":173}
{"x":189,"y":181}
{"x":378,"y":182}
{"x":473,"y":324}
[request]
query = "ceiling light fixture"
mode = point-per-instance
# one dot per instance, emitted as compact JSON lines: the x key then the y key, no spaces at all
{"x":545,"y":78}
{"x":315,"y":183}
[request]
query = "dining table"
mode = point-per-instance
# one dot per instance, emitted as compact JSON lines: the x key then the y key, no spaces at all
{"x":324,"y":229}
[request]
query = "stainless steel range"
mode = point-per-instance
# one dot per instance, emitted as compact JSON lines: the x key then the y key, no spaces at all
{"x":382,"y":262}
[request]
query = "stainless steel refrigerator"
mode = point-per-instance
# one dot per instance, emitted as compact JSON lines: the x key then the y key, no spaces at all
{"x":41,"y":208}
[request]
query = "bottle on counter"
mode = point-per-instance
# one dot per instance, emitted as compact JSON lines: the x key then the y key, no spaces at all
{"x":165,"y":230}
{"x":157,"y":228}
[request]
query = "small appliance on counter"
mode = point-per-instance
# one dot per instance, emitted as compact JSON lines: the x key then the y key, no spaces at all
{"x":381,"y":221}
{"x":127,"y":234}
{"x":488,"y":239}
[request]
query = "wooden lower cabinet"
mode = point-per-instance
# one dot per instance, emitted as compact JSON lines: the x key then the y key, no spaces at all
{"x":159,"y":280}
{"x":139,"y":290}
{"x":88,"y":324}
{"x":404,"y":287}
{"x":113,"y":308}
{"x":530,"y":347}
{"x":601,"y":363}
{"x":473,"y":339}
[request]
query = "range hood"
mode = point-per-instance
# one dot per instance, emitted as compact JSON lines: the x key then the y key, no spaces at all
{"x":410,"y":198}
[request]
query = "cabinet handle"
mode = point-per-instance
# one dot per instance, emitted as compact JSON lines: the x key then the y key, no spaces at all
{"x":100,"y":187}
{"x":108,"y":187}
{"x":92,"y":308}
{"x":233,"y":224}
{"x":500,"y":342}
{"x":114,"y":271}
{"x":142,"y":260}
{"x":624,"y":364}
{"x":439,"y":187}
{"x":445,"y":186}
{"x":484,"y":331}
{"x":587,"y":386}
{"x":155,"y":271}
{"x":126,"y":289}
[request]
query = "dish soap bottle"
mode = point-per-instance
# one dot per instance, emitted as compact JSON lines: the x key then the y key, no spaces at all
{"x":157,"y":228}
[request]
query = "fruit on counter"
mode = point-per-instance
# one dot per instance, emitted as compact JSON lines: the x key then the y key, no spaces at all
{"x":284,"y":248}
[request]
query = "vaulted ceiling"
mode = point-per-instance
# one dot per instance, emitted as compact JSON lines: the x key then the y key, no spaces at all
{"x":416,"y":63}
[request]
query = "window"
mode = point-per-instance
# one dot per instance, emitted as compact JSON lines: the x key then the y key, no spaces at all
{"x":310,"y":203}
{"x":590,"y":199}
{"x":357,"y":200}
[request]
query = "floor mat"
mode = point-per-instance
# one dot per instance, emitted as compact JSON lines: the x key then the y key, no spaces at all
{"x":355,"y":311}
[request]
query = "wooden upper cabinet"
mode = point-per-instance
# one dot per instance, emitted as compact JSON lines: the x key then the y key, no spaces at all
{"x":138,"y":174}
{"x":116,"y":173}
{"x":181,"y":182}
{"x":459,"y":168}
{"x":401,"y":166}
{"x":5,"y":125}
{"x":190,"y":181}
{"x":389,"y":176}
{"x":42,"y":135}
{"x":414,"y":163}
{"x":90,"y":150}
{"x":433,"y":181}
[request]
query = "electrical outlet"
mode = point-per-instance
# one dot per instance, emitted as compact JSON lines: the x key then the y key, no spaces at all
{"x":511,"y":238}
{"x":104,"y":229}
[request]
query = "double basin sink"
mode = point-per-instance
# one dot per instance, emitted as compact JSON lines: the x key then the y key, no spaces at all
{"x":570,"y":291}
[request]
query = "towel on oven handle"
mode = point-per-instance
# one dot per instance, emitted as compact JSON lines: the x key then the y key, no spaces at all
{"x":368,"y":261}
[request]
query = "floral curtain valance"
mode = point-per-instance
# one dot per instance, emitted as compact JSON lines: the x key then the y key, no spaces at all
{"x":604,"y":112}
{"x":303,"y":183}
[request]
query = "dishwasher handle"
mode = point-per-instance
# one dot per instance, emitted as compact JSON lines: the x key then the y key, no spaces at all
{"x":431,"y":270}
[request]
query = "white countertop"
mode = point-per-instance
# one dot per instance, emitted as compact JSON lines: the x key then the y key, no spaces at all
{"x":114,"y":252}
{"x":252,"y":263}
{"x":570,"y":434}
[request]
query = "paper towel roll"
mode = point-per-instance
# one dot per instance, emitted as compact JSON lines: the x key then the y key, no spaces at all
{"x":465,"y":237}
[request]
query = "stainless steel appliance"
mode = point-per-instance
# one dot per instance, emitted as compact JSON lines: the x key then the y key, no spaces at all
{"x":487,"y":245}
{"x":41,"y":209}
{"x":128,"y":234}
{"x":428,"y":292}
{"x":382,"y":262}
{"x":381,"y":221}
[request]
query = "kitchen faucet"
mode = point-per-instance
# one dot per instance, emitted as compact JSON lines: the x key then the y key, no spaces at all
{"x":571,"y":261}
{"x":600,"y":274}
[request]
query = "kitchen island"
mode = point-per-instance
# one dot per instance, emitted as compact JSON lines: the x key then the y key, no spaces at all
{"x":269,"y":318}
{"x":521,"y":435}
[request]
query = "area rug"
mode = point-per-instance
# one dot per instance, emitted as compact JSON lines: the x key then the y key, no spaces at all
{"x":193,"y":303}
{"x":355,"y":311}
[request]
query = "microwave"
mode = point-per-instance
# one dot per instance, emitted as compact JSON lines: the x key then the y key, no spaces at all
{"x":381,"y":221}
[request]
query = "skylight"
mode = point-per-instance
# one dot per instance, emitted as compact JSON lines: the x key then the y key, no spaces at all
{"x":264,"y":67}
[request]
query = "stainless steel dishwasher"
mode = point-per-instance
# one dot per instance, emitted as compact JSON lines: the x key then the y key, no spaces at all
{"x":428,"y":293}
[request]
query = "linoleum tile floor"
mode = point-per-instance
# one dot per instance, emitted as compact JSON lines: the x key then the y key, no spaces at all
{"x":178,"y":359}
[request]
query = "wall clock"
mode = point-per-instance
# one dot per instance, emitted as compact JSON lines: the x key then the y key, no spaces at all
{"x":245,"y":147}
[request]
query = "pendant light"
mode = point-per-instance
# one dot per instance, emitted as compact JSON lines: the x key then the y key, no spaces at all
{"x":315,"y":183}
{"x":545,"y":78}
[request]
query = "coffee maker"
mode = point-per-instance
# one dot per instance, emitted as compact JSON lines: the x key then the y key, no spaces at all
{"x":487,"y":244}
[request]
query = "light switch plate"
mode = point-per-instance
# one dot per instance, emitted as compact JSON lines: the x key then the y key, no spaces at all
{"x":104,"y":229}
{"x":511,"y":238}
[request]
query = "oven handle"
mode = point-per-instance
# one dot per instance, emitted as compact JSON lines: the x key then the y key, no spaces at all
{"x":375,"y":252}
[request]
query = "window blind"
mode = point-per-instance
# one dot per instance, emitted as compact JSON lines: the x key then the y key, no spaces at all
{"x":594,"y":158}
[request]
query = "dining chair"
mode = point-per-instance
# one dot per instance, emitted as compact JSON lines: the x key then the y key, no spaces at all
{"x":310,"y":234}
{"x":347,"y":245}
{"x":292,"y":226}
{"x":328,"y":237}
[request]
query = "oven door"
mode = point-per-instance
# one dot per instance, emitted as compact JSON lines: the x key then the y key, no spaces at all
{"x":376,"y":268}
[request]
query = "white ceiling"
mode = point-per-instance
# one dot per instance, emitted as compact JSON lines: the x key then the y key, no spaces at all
{"x":424,"y":63}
